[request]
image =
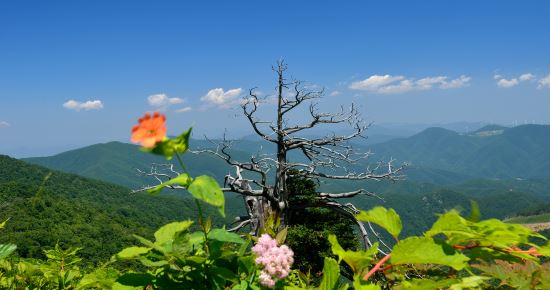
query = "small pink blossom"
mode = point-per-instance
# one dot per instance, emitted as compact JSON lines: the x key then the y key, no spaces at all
{"x":275,"y":261}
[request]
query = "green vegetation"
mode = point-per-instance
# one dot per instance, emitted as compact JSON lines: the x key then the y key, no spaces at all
{"x":454,"y":252}
{"x":310,"y":227}
{"x":47,"y":207}
{"x":541,"y":218}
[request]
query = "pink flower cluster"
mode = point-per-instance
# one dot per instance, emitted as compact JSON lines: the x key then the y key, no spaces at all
{"x":275,"y":260}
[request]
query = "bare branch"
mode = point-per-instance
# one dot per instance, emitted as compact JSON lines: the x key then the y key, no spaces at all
{"x":249,"y":107}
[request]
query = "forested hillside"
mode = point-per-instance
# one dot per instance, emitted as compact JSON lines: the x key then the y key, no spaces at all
{"x":46,"y":207}
{"x":423,"y":194}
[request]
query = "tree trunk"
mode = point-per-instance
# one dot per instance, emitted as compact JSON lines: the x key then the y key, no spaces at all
{"x":280,"y":180}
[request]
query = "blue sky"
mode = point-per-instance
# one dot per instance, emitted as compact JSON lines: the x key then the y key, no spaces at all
{"x":81,"y":72}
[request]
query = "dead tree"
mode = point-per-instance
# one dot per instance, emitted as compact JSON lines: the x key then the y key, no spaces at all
{"x":330,"y":157}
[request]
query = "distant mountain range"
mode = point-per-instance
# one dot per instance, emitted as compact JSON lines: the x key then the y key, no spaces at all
{"x":493,"y":165}
{"x":490,"y":152}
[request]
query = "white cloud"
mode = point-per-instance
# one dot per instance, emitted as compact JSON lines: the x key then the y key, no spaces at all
{"x":183,"y":110}
{"x":526,"y":77}
{"x":219,"y":97}
{"x":88,"y":105}
{"x":508,"y":83}
{"x":162,"y":101}
{"x":4,"y":124}
{"x":429,"y":82}
{"x":460,"y":82}
{"x":374,"y":82}
{"x":388,"y":84}
{"x":400,"y":87}
{"x":335,"y":93}
{"x":544,"y":82}
{"x":504,"y":83}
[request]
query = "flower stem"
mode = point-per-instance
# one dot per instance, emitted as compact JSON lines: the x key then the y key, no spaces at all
{"x":181,"y":163}
{"x":376,"y":267}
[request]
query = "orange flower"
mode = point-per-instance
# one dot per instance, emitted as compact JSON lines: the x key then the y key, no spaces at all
{"x":150,"y":130}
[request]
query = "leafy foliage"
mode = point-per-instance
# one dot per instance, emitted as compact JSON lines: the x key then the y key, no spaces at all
{"x":310,"y":228}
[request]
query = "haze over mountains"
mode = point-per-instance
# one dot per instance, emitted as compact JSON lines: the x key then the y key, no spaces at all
{"x":506,"y":170}
{"x":491,"y":162}
{"x":435,"y":155}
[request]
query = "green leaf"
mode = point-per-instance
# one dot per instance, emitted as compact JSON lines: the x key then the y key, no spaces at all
{"x":360,"y":284}
{"x":98,"y":279}
{"x":183,"y":180}
{"x":6,"y":250}
{"x":331,"y":275}
{"x":3,"y":224}
{"x":358,"y":261}
{"x":132,"y":253}
{"x":167,"y":232}
{"x":472,"y":282}
{"x":168,"y":147}
{"x":144,"y":241}
{"x":118,"y":286}
{"x":451,"y":223}
{"x":242,"y":286}
{"x":225,"y":236}
{"x":246,"y":264}
{"x":422,"y":250}
{"x":281,"y":236}
{"x":136,"y":279}
{"x":419,"y":284}
{"x":221,"y":272}
{"x":206,"y":188}
{"x":181,"y":143}
{"x":387,"y":219}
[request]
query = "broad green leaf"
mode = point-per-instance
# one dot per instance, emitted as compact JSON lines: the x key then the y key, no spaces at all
{"x":136,"y":279}
{"x":331,"y":275}
{"x":148,"y":263}
{"x":387,"y":219}
{"x":99,"y":279}
{"x":421,"y":284}
{"x":422,"y":250}
{"x":451,"y":223}
{"x":545,"y":250}
{"x":246,"y":264}
{"x":206,"y":188}
{"x":132,"y":252}
{"x":496,"y":233}
{"x":144,"y":241}
{"x":471,"y":282}
{"x":358,"y":261}
{"x":183,"y":180}
{"x":518,"y":275}
{"x":225,"y":236}
{"x":221,"y":272}
{"x":6,"y":250}
{"x":118,"y":286}
{"x":167,"y":232}
{"x":360,"y":284}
